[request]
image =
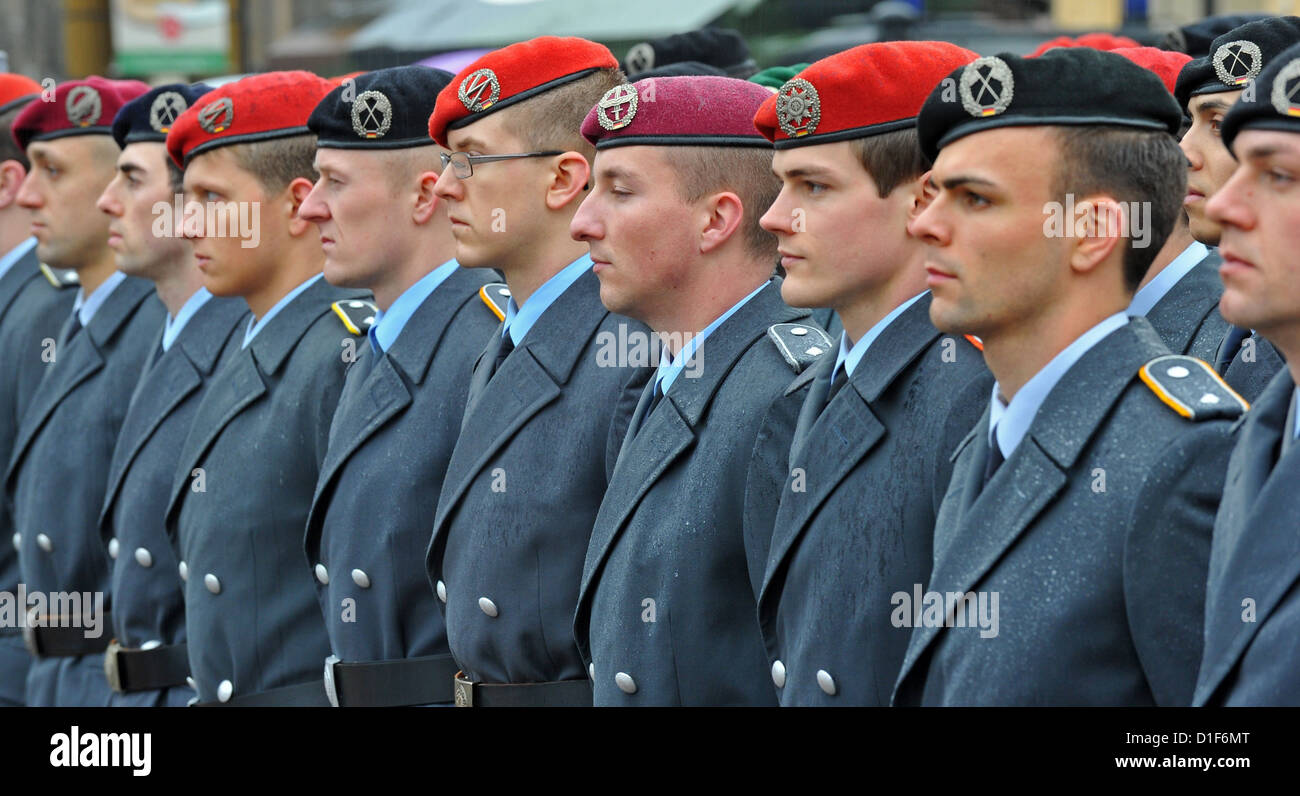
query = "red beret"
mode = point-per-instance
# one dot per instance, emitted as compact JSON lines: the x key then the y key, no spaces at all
{"x":1097,"y":41}
{"x":512,"y":74}
{"x":80,"y":107}
{"x":16,"y":89}
{"x":667,"y":111}
{"x":1165,"y":63}
{"x":863,"y":91}
{"x":257,"y":108}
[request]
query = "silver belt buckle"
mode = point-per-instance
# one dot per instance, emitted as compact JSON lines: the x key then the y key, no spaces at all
{"x":331,"y":690}
{"x":464,"y":691}
{"x":29,"y":633}
{"x":111,"y":671}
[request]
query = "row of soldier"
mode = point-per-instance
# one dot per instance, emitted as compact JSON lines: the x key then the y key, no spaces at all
{"x":997,"y":484}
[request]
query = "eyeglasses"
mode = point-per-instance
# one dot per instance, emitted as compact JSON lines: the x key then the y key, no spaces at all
{"x":464,"y":163}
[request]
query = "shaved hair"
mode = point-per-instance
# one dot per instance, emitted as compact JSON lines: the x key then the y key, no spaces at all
{"x":553,"y":120}
{"x":279,"y":161}
{"x":745,"y":171}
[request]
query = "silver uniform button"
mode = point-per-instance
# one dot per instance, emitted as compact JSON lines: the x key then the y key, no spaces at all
{"x":212,"y":583}
{"x":150,"y":644}
{"x":184,"y":569}
{"x":322,"y":574}
{"x":625,"y":682}
{"x":43,"y":542}
{"x":360,"y":578}
{"x":113,"y":547}
{"x":826,"y":682}
{"x":489,"y":607}
{"x":798,"y":331}
{"x":18,"y":540}
{"x":442,"y":591}
{"x":778,"y":674}
{"x":190,"y":682}
{"x":225,"y":691}
{"x":1179,"y":372}
{"x":143,"y":557}
{"x":591,"y":670}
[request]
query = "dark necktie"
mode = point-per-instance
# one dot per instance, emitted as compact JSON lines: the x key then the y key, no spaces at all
{"x":994,"y":460}
{"x":655,"y":398}
{"x":488,"y":366}
{"x":70,"y":328}
{"x":1229,"y":348}
{"x":157,"y":353}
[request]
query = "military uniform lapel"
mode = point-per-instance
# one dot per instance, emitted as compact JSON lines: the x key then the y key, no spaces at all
{"x":1178,"y":315}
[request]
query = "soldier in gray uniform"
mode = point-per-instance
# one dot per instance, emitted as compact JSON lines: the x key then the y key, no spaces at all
{"x":247,"y":469}
{"x":1252,"y":603}
{"x":550,"y":397}
{"x":869,"y":464}
{"x":400,"y":411}
{"x":1071,"y":549}
{"x":147,"y":663}
{"x":34,"y":301}
{"x":665,"y":595}
{"x":1205,"y":89}
{"x":81,"y":401}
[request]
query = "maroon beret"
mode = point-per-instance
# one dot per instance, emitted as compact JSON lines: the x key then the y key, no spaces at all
{"x":698,"y":110}
{"x":80,"y":107}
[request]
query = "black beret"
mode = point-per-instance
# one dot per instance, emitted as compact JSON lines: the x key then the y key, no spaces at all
{"x":718,"y":47}
{"x":1064,"y":86}
{"x":1194,"y":38}
{"x":149,"y":116}
{"x":383,"y":109}
{"x":679,"y":69}
{"x":1237,"y":57}
{"x":1275,"y":102}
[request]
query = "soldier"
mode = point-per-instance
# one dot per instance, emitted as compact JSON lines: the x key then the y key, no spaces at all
{"x":34,"y":301}
{"x":1252,"y":604}
{"x":1071,"y":548}
{"x":81,"y":401}
{"x":383,"y":228}
{"x":1206,"y":88}
{"x":147,"y":662}
{"x":680,"y":178}
{"x":247,"y":469}
{"x":870,"y":458}
{"x":550,"y":398}
{"x":1179,"y":296}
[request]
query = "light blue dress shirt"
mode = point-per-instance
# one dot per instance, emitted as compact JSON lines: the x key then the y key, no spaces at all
{"x":670,"y":367}
{"x":86,"y":306}
{"x":851,"y":354}
{"x":172,"y":326}
{"x":1295,"y":432}
{"x":15,"y":254}
{"x":388,"y":325}
{"x":1008,"y":423}
{"x":1150,"y":294}
{"x":256,"y":325}
{"x":519,"y":320}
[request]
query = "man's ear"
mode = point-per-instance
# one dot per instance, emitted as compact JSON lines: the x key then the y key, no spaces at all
{"x":12,"y":174}
{"x":296,"y":193}
{"x":569,"y":179}
{"x":1100,"y":229}
{"x":725,"y":214}
{"x":918,"y":195}
{"x":426,"y":201}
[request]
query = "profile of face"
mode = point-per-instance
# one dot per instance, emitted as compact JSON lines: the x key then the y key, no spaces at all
{"x":66,"y":178}
{"x":142,"y":239}
{"x":838,"y":238}
{"x":989,"y":263}
{"x":1209,"y":163}
{"x":1258,"y":209}
{"x":644,"y":236}
{"x":217,"y":183}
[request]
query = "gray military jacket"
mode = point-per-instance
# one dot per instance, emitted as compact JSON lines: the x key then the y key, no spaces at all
{"x":1077,"y":574}
{"x":1252,"y":605}
{"x":1187,"y":317}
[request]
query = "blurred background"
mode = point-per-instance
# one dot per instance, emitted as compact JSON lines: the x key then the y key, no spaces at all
{"x":165,"y":40}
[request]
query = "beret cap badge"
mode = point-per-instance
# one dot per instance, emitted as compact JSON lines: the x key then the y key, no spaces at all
{"x":84,"y":106}
{"x":641,"y":57}
{"x":798,"y":108}
{"x":372,"y":114}
{"x":1283,"y":98}
{"x":1238,"y":62}
{"x":164,"y":110}
{"x":986,"y":86}
{"x":217,"y":116}
{"x":473,"y":89}
{"x":617,"y":108}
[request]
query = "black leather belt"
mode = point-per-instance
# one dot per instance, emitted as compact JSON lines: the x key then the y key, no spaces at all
{"x":383,"y":684}
{"x":303,"y":695}
{"x":130,"y":670}
{"x":556,"y":694}
{"x":62,"y":641}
